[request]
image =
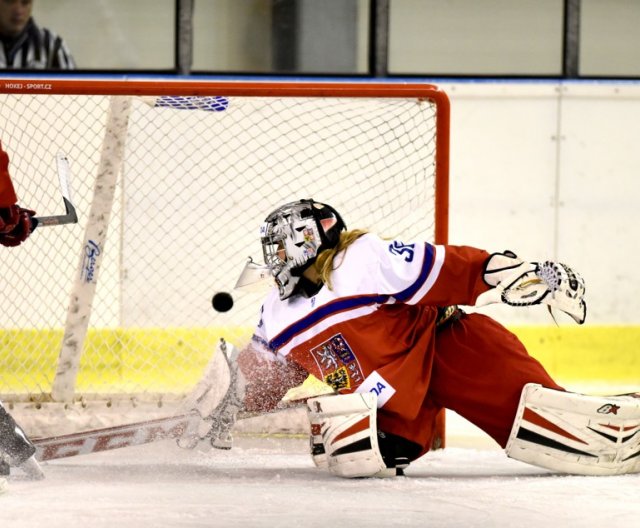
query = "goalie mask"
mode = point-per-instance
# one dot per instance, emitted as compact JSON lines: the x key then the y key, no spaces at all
{"x":292,"y":237}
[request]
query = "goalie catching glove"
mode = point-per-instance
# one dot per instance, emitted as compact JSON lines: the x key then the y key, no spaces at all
{"x":216,"y":400}
{"x":518,"y":283}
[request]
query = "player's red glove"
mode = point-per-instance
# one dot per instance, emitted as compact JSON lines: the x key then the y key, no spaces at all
{"x":15,"y":225}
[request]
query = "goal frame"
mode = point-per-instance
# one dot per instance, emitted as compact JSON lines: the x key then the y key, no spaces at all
{"x":274,"y":88}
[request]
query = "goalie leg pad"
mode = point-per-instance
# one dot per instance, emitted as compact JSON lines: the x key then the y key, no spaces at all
{"x":574,"y":433}
{"x":344,"y":436}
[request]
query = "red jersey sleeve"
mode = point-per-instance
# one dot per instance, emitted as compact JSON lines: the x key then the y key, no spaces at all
{"x":7,"y":193}
{"x":460,"y":278}
{"x":268,"y":377}
{"x":423,"y":273}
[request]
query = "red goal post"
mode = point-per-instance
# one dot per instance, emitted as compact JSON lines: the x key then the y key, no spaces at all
{"x":171,"y":180}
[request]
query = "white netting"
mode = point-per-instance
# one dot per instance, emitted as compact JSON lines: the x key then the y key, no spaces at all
{"x":194,"y":187}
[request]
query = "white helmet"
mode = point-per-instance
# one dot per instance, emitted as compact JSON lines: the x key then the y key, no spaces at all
{"x":293,"y":235}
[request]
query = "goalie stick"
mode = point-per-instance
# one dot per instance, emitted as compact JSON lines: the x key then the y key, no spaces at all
{"x":120,"y":436}
{"x":177,"y":426}
{"x":111,"y":437}
{"x":70,"y":216}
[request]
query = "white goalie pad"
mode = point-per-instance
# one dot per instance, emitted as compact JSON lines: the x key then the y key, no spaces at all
{"x":578,"y":434}
{"x":344,"y":435}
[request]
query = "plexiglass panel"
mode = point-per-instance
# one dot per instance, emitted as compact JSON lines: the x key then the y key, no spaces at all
{"x":113,"y":34}
{"x":476,"y":37}
{"x":610,"y":38}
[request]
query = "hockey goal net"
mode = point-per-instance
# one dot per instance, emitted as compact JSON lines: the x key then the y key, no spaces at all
{"x":171,"y":181}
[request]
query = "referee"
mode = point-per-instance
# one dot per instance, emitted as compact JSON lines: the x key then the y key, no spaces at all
{"x":25,"y":46}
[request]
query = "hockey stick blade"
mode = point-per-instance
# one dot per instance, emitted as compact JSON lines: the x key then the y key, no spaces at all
{"x":70,"y":216}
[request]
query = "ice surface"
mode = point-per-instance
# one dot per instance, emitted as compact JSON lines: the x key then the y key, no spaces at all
{"x":272,"y":482}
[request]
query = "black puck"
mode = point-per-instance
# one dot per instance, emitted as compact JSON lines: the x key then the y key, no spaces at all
{"x":222,"y":302}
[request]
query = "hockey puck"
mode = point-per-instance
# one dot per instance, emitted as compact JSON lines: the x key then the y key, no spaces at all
{"x":222,"y":302}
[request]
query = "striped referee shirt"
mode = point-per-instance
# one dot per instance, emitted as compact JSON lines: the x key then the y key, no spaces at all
{"x":35,"y":49}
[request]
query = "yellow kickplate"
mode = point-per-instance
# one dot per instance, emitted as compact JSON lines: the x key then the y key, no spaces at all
{"x":172,"y":359}
{"x":586,"y":353}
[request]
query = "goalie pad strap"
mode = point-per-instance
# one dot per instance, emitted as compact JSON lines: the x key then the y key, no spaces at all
{"x":574,"y":433}
{"x":344,"y":436}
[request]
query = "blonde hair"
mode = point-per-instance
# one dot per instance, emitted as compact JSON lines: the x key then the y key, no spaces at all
{"x":324,"y":263}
